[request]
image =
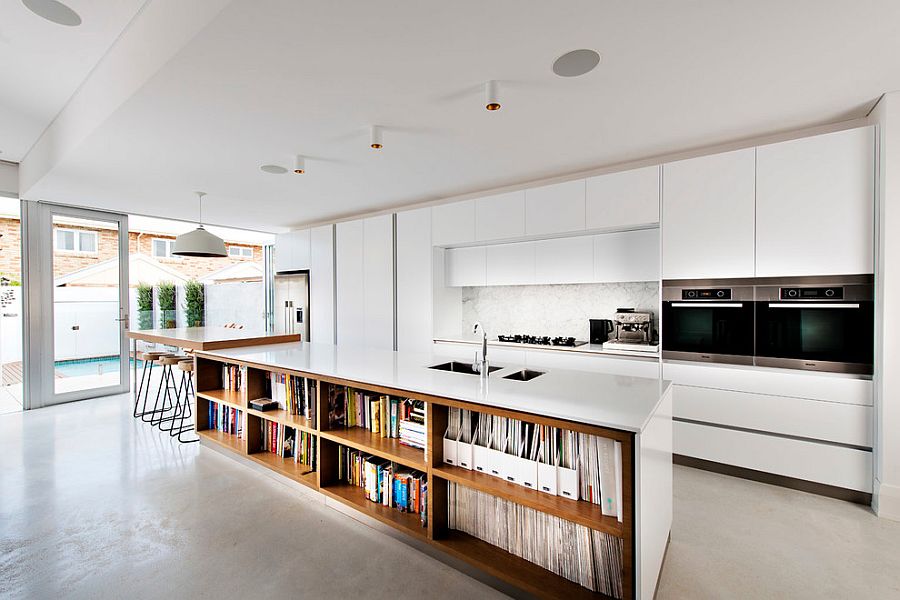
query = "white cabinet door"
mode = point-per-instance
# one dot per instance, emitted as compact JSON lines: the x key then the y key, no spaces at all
{"x":556,"y":208}
{"x":378,"y":281}
{"x":564,"y":260}
{"x":350,"y":287}
{"x":500,"y":217}
{"x":284,"y":252}
{"x":626,"y":256}
{"x":465,"y":266}
{"x":453,"y":223}
{"x":321,"y":285}
{"x":815,"y":205}
{"x":414,"y":277}
{"x":707,"y":216}
{"x":510,"y":264}
{"x":623,"y":199}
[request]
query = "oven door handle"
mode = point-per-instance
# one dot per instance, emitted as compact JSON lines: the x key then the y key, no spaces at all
{"x":707,"y":305}
{"x":810,"y":305}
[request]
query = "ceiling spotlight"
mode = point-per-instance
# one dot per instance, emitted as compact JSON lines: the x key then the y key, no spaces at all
{"x":53,"y":11}
{"x":491,"y":99}
{"x":576,"y":63}
{"x":273,"y":169}
{"x":375,"y":141}
{"x":299,"y":165}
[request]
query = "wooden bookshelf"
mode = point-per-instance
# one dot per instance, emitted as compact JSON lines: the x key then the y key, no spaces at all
{"x":495,"y":561}
{"x":373,"y":443}
{"x":578,"y":511}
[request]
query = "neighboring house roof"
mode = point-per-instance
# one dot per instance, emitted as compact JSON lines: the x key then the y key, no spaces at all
{"x":241,"y":271}
{"x":141,"y":268}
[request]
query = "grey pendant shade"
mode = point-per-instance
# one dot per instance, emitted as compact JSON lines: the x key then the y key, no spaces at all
{"x":199,"y":242}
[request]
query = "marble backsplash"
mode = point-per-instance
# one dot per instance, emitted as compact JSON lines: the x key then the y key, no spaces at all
{"x":553,"y":309}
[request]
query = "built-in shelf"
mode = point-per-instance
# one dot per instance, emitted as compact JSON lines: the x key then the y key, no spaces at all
{"x":287,"y":467}
{"x":234,"y":399}
{"x":285,"y":418}
{"x":226,"y":440}
{"x":577,"y":511}
{"x":373,"y":443}
{"x":354,"y":496}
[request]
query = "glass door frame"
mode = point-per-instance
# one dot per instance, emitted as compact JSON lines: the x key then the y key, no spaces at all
{"x":38,"y":304}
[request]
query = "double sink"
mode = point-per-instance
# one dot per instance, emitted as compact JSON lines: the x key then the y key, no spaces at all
{"x":472,"y":369}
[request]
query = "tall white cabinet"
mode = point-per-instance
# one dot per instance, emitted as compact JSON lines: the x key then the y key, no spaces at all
{"x":414,"y":282}
{"x":321,"y":285}
{"x":708,"y":216}
{"x":815,"y":206}
{"x":351,"y":306}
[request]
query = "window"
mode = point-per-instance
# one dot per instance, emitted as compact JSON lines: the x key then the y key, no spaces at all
{"x":74,"y":240}
{"x":162,"y":248}
{"x":240,"y":252}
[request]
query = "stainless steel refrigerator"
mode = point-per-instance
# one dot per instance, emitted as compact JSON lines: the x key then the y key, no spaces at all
{"x":292,"y":304}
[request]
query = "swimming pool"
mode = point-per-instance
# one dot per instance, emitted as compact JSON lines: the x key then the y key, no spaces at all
{"x":90,"y":366}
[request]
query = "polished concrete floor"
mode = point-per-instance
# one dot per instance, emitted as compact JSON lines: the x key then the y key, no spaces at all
{"x":95,"y":505}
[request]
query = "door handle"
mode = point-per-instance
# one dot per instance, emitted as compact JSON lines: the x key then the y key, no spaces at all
{"x":76,"y":327}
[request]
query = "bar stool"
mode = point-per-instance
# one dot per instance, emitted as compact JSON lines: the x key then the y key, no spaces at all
{"x":166,"y":385}
{"x":149,"y":358}
{"x":187,"y":385}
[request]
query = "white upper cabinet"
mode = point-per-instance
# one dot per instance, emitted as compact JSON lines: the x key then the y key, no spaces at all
{"x":510,"y":264}
{"x":708,"y":211}
{"x":501,"y":216}
{"x":378,"y":281}
{"x":414,"y":265}
{"x":465,"y":266}
{"x":564,"y":260}
{"x":453,"y":223}
{"x":623,"y":199}
{"x":815,"y":205}
{"x":626,"y":256}
{"x":557,"y":208}
{"x":292,"y":251}
{"x":321,"y":285}
{"x":351,"y":316}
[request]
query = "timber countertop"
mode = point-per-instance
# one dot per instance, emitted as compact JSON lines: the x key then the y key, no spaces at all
{"x":617,"y":402}
{"x":211,"y":338}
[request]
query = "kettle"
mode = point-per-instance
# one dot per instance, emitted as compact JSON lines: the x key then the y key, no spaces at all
{"x":600,"y":330}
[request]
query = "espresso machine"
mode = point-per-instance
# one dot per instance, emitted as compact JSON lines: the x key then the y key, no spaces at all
{"x":632,"y":330}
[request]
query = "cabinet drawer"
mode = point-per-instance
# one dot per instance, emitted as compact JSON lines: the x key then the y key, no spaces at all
{"x":823,"y":463}
{"x":596,"y":363}
{"x":774,"y":382}
{"x":829,"y":421}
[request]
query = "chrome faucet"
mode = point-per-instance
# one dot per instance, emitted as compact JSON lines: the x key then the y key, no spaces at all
{"x":481,"y":366}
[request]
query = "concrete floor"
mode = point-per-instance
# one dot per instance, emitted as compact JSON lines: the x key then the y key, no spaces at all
{"x":95,"y":505}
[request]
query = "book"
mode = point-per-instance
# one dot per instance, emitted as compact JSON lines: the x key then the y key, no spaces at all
{"x":385,"y":482}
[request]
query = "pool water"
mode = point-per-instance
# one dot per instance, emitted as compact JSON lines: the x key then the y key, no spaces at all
{"x":90,"y":366}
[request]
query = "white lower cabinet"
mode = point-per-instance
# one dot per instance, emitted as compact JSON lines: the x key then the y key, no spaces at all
{"x":596,"y":363}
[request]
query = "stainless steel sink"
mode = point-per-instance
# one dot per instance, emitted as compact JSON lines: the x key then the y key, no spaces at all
{"x":461,"y":367}
{"x":524,"y":375}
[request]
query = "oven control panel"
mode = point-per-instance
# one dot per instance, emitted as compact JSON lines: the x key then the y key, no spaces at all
{"x":707,"y":294}
{"x":812,"y":293}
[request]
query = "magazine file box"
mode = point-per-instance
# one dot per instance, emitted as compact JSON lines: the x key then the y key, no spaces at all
{"x":510,"y":468}
{"x":464,"y":455}
{"x":567,"y":483}
{"x":450,"y":452}
{"x":495,"y":463}
{"x":481,"y":459}
{"x":528,"y":473}
{"x":547,"y":478}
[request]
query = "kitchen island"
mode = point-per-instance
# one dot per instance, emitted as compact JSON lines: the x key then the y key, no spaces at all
{"x":632,"y":413}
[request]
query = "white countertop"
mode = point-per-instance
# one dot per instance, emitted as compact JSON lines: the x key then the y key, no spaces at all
{"x":613,"y":401}
{"x":582,"y":349}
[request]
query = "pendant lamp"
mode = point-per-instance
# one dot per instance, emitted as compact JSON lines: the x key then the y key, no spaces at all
{"x":199,"y":242}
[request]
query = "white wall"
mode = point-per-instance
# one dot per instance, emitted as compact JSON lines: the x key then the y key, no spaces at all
{"x":94,"y":311}
{"x":10,"y":324}
{"x":237,"y":302}
{"x":9,"y":179}
{"x":887,"y":376}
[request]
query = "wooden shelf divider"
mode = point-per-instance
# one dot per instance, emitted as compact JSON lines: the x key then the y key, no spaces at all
{"x":373,"y":443}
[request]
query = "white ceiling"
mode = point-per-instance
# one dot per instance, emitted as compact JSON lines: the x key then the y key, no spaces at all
{"x":264,"y":80}
{"x":42,"y":64}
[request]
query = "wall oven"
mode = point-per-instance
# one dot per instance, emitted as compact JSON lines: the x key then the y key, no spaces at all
{"x":816,"y":326}
{"x":713,"y":324}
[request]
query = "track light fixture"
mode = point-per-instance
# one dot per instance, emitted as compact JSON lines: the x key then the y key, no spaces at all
{"x":491,"y":98}
{"x":375,"y":141}
{"x":299,"y":165}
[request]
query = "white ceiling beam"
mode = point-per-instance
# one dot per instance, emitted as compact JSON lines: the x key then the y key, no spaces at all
{"x":155,"y":35}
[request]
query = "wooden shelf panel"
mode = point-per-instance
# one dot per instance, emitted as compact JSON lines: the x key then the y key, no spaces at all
{"x":287,"y":467}
{"x":230,"y":398}
{"x":512,"y":569}
{"x":578,"y":511}
{"x":226,"y":440}
{"x":285,"y":418}
{"x":354,"y":496}
{"x":373,"y":443}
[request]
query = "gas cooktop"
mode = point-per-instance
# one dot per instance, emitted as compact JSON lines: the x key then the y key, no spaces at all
{"x":540,"y":340}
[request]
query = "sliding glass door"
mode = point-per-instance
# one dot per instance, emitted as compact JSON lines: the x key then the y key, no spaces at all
{"x":78,"y":304}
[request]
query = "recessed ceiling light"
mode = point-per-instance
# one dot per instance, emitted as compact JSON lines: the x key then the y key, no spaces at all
{"x":576,"y":63}
{"x":273,"y":169}
{"x":54,"y":11}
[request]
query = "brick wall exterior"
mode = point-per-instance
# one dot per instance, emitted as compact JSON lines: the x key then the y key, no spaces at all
{"x":107,"y":247}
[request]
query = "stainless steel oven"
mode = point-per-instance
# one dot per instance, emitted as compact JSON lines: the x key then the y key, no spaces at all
{"x":818,"y":326}
{"x":708,"y":322}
